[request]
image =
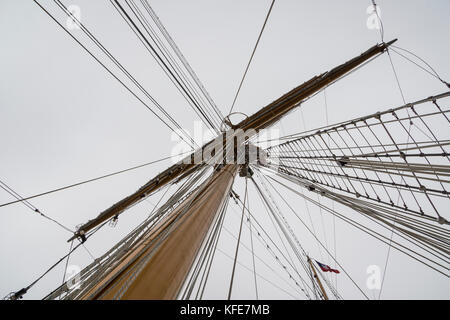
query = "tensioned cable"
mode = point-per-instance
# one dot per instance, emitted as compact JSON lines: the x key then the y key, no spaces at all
{"x":211,"y":252}
{"x":23,"y":291}
{"x":319,"y":240}
{"x":153,"y":53}
{"x":189,"y":93}
{"x":201,"y":94}
{"x":237,"y":245}
{"x":253,"y":252}
{"x":203,"y":254}
{"x":433,"y":71}
{"x":262,"y":261}
{"x":108,"y":70}
{"x":251,"y":57}
{"x":334,"y":218}
{"x":145,"y":256}
{"x":19,"y":198}
{"x":272,"y":283}
{"x":67,"y":263}
{"x":131,"y":239}
{"x":283,"y":229}
{"x":119,"y":65}
{"x":398,"y":198}
{"x":270,"y":212}
{"x":177,"y":51}
{"x":89,"y":180}
{"x":377,"y":237}
{"x":375,"y":8}
{"x":158,"y":56}
{"x":373,"y":233}
{"x":272,"y":252}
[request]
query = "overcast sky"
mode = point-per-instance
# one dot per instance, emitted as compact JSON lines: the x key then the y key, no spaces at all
{"x":63,"y":119}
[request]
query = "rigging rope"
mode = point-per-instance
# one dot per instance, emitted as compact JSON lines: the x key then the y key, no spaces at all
{"x":253,"y":252}
{"x":371,"y":215}
{"x":268,"y":248}
{"x":67,"y":263}
{"x":183,"y":60}
{"x":318,"y":239}
{"x":109,"y":70}
{"x":251,"y":57}
{"x":19,"y":198}
{"x":21,"y":292}
{"x":165,"y":64}
{"x":237,"y":245}
{"x":89,"y":180}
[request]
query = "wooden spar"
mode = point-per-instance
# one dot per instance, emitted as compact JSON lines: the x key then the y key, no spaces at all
{"x":261,"y":119}
{"x":156,"y":267}
{"x":317,"y":279}
{"x":280,"y":107}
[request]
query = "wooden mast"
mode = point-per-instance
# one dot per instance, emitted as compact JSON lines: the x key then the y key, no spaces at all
{"x":317,"y":279}
{"x":156,"y":267}
{"x":261,"y":119}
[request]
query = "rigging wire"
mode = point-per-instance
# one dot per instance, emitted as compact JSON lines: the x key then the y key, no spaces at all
{"x":109,"y":70}
{"x":181,"y":57}
{"x":153,"y":53}
{"x":432,"y":72}
{"x":119,"y":65}
{"x":238,"y":243}
{"x":253,"y":252}
{"x":373,"y":233}
{"x":304,"y":263}
{"x":165,"y":64}
{"x":144,"y":257}
{"x":202,"y":97}
{"x":260,"y":259}
{"x":24,"y":201}
{"x":250,"y":270}
{"x":246,"y":191}
{"x":268,"y":248}
{"x":251,"y":57}
{"x":270,"y":212}
{"x":285,"y":229}
{"x":318,"y":238}
{"x":88,"y":180}
{"x":211,"y":251}
{"x":381,"y":29}
{"x":19,"y":294}
{"x":194,"y":99}
{"x":67,"y":263}
{"x":115,"y":253}
{"x":407,"y":143}
{"x":334,"y":218}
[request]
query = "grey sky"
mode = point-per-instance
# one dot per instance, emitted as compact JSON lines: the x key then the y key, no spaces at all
{"x":64,"y":119}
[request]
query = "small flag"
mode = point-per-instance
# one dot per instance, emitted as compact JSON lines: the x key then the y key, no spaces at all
{"x":326,"y":268}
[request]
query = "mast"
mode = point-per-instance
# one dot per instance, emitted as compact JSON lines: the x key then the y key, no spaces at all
{"x":260,"y":120}
{"x":157,"y":266}
{"x":325,"y":296}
